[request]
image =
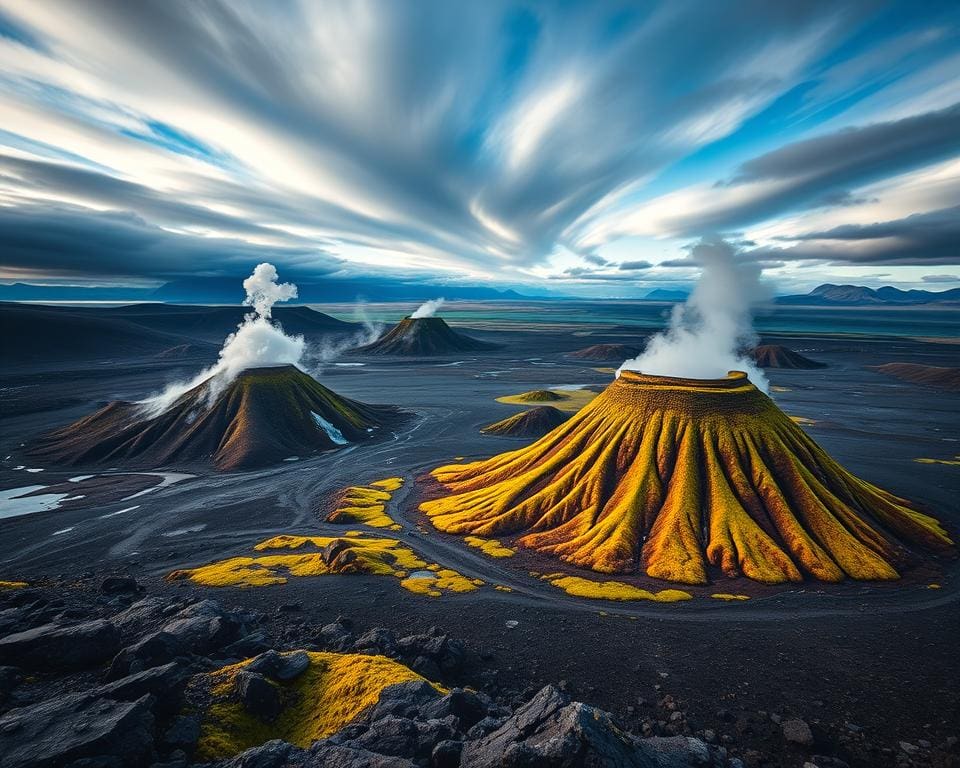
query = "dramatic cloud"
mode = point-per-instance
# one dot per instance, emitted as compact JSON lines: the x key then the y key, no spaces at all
{"x":143,"y":140}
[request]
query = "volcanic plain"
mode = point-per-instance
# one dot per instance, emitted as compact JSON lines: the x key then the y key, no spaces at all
{"x":867,"y":665}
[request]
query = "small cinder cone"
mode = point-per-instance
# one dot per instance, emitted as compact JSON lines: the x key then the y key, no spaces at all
{"x":778,"y":356}
{"x":264,"y":416}
{"x":422,"y":337}
{"x":670,"y":476}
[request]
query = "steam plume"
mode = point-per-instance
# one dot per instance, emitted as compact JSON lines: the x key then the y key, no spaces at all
{"x":428,"y":308}
{"x":257,"y":342}
{"x":328,"y":350}
{"x":709,"y":333}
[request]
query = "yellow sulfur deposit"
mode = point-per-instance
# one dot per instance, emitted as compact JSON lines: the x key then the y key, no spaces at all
{"x":670,"y":476}
{"x":954,"y":462}
{"x":326,"y":555}
{"x":13,"y":584}
{"x":333,"y":691}
{"x":613,"y":590}
{"x":367,"y":504}
{"x":490,"y":547}
{"x":727,"y":596}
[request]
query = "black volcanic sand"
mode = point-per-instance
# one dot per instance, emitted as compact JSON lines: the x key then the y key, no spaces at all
{"x":882,"y":658}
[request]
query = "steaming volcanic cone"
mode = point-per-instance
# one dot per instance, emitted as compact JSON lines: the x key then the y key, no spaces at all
{"x":423,"y":337}
{"x":672,"y":475}
{"x":533,"y":423}
{"x":263,"y":416}
{"x":777,"y":356}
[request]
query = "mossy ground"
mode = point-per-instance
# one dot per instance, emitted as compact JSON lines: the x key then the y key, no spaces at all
{"x":577,"y":586}
{"x":570,"y":400}
{"x":333,"y":691}
{"x":490,"y":547}
{"x":372,"y":555}
{"x":954,"y":462}
{"x":13,"y":584}
{"x":367,"y":505}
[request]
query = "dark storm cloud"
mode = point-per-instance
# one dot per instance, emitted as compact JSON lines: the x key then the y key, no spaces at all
{"x":73,"y":242}
{"x":921,"y":239}
{"x":820,"y":171}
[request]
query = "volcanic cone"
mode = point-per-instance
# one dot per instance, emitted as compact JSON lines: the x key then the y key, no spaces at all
{"x":670,"y":476}
{"x":264,"y":416}
{"x":930,"y":375}
{"x":422,"y":337}
{"x":606,"y":353}
{"x":533,"y":423}
{"x":777,"y":356}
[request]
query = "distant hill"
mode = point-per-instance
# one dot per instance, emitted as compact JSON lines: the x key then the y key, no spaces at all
{"x":666,"y":294}
{"x":221,"y":290}
{"x":859,"y":295}
{"x":37,"y":334}
{"x":422,"y":337}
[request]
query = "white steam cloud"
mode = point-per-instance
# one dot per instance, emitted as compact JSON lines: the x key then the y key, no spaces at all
{"x":709,"y":333}
{"x":328,"y":350}
{"x":428,"y":308}
{"x":258,"y":342}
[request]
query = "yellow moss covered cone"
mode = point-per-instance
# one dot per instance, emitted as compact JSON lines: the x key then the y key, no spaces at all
{"x":669,"y":475}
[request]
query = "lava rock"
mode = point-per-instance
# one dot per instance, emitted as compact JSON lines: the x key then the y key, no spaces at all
{"x":253,"y":644}
{"x":165,"y":683}
{"x":326,"y":754}
{"x":61,"y":647}
{"x":552,"y":730}
{"x":75,"y":727}
{"x":147,"y":611}
{"x":116,"y":585}
{"x":259,"y":696}
{"x":377,"y":641}
{"x":402,"y":700}
{"x":272,"y":754}
{"x":203,"y":627}
{"x":446,"y":754}
{"x":151,"y":650}
{"x":336,"y":636}
{"x":397,"y":736}
{"x":796,"y":731}
{"x":183,"y":733}
{"x":468,"y":707}
{"x":286,"y":666}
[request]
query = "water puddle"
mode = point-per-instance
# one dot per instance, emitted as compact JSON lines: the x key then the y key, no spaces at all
{"x":349,"y":365}
{"x":14,"y":502}
{"x":422,"y":575}
{"x":62,"y":531}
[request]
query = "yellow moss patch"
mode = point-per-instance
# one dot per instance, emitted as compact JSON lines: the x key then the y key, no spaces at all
{"x":803,"y":421}
{"x":611,"y":371}
{"x":566,"y":400}
{"x":933,"y":586}
{"x":367,"y":505}
{"x":333,"y":691}
{"x":375,"y":556}
{"x":445,"y":581}
{"x":390,"y":484}
{"x":954,"y":462}
{"x":775,"y":388}
{"x":490,"y":547}
{"x":13,"y":584}
{"x":614,"y":590}
{"x":502,"y":588}
{"x":728,"y":596}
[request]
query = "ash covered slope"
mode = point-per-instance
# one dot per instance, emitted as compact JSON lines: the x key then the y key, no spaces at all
{"x":423,"y":337}
{"x":672,"y":475}
{"x":264,"y":416}
{"x":533,"y":423}
{"x":778,"y":356}
{"x":606,"y":353}
{"x":930,"y":375}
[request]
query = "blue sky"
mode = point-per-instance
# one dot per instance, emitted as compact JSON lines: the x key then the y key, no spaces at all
{"x":579,"y":147}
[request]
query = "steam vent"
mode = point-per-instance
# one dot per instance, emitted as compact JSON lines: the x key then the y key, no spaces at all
{"x":263,"y":417}
{"x":423,"y":337}
{"x":672,"y":476}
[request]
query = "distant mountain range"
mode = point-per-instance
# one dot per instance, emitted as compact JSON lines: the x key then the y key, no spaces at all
{"x":829,"y":294}
{"x":217,"y":290}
